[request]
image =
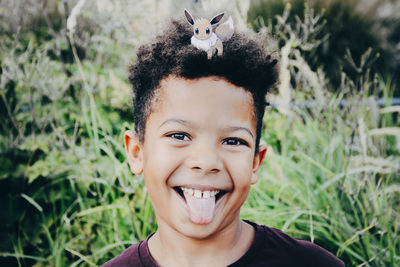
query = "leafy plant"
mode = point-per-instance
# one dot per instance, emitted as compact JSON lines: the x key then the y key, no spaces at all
{"x":354,"y":26}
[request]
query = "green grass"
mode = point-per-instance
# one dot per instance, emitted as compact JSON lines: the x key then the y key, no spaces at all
{"x":318,"y":187}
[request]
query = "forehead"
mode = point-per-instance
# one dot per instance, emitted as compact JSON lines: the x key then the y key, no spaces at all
{"x":208,"y":98}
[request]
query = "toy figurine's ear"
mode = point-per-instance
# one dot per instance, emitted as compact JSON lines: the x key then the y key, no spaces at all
{"x":189,"y":17}
{"x":217,"y":18}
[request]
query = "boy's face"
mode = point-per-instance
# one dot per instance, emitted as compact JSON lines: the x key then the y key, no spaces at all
{"x":198,"y":155}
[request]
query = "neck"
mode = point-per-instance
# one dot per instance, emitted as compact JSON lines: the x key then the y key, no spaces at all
{"x":171,"y":248}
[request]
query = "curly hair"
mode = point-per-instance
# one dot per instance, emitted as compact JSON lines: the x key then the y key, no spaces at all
{"x":244,"y":63}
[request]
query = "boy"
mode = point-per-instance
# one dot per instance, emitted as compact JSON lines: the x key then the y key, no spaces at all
{"x":197,"y":134}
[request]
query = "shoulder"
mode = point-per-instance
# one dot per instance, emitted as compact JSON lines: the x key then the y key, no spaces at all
{"x":129,"y":257}
{"x":314,"y":255}
{"x":309,"y":254}
{"x":272,"y":247}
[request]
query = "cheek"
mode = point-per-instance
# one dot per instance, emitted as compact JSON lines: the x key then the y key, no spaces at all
{"x":159,"y":162}
{"x":157,"y":168}
{"x":241,"y":175}
{"x":241,"y":171}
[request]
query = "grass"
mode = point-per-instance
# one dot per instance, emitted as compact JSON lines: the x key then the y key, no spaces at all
{"x":317,"y":187}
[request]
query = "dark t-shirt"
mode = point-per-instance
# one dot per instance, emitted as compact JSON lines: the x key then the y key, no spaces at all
{"x":270,"y":247}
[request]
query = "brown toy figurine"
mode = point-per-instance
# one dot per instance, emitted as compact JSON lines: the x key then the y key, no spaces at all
{"x":203,"y":36}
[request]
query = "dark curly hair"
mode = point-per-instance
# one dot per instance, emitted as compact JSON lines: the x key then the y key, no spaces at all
{"x":244,"y":63}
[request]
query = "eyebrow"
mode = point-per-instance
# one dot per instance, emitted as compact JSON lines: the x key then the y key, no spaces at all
{"x":184,"y":122}
{"x":240,"y":128}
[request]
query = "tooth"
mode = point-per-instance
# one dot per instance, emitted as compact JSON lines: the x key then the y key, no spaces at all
{"x":197,"y":193}
{"x":190,"y":191}
{"x":206,"y":194}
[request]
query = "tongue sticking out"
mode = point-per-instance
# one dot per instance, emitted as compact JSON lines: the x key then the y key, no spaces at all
{"x":201,"y":210}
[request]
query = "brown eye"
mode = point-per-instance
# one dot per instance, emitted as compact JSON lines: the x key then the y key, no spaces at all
{"x":208,"y":31}
{"x":196,"y":31}
{"x":179,"y":136}
{"x":235,"y":142}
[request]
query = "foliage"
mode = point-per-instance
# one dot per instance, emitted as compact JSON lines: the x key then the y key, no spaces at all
{"x":68,"y":197}
{"x":353,"y":26}
{"x":340,"y":183}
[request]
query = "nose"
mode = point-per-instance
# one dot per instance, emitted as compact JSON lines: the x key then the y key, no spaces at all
{"x":205,"y":158}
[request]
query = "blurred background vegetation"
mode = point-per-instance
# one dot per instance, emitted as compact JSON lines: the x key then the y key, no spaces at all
{"x":333,"y":129}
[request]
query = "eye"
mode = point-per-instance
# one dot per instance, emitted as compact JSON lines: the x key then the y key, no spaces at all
{"x":208,"y":31}
{"x":234,"y":142}
{"x":196,"y":30}
{"x":179,"y":136}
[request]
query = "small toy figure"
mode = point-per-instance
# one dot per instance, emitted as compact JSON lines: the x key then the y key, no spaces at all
{"x":205,"y":39}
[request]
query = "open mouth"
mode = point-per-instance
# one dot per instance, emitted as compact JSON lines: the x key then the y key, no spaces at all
{"x":200,"y":203}
{"x":199,"y":193}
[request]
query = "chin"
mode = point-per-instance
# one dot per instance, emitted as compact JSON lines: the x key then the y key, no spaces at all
{"x":198,"y":231}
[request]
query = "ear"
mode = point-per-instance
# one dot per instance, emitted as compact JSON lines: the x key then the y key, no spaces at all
{"x":189,"y":17}
{"x":217,"y":19}
{"x":257,"y":162}
{"x":134,"y":152}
